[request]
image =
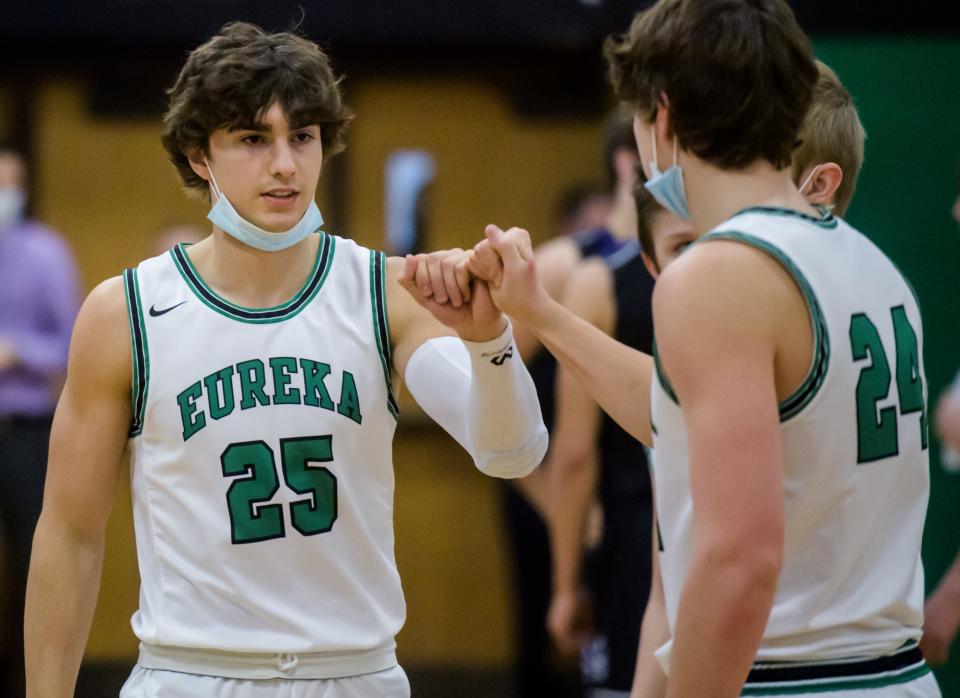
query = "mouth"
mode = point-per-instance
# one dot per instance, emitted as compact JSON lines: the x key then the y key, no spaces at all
{"x":280,"y":195}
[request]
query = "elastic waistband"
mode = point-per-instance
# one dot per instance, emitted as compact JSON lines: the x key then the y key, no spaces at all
{"x":281,"y":665}
{"x":784,"y":678}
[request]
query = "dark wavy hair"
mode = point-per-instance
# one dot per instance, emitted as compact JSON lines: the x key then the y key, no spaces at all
{"x":738,"y":76}
{"x":231,"y":80}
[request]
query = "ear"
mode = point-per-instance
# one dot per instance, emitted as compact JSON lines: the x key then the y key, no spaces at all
{"x":650,"y":264}
{"x":198,"y":164}
{"x":662,"y":126}
{"x":824,"y":185}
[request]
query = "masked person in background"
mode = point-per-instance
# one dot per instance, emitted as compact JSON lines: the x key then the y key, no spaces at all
{"x":38,"y":302}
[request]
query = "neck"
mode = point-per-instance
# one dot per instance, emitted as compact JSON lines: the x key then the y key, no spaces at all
{"x":251,"y":277}
{"x":622,"y":219}
{"x":714,"y":195}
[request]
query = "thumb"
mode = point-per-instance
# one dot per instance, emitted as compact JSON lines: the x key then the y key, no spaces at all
{"x":508,"y":252}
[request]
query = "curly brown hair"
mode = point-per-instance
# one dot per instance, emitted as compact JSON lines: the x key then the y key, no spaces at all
{"x":738,"y":76}
{"x":232,"y":80}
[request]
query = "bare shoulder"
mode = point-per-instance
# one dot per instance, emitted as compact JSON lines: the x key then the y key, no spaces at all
{"x":722,"y":282}
{"x":589,"y":293}
{"x":555,"y":260}
{"x":100,"y":346}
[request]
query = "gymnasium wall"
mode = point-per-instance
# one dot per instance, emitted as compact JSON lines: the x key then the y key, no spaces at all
{"x":106,"y":185}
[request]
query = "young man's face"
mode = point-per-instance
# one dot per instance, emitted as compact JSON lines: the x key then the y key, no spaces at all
{"x":268,"y":171}
{"x":671,"y":235}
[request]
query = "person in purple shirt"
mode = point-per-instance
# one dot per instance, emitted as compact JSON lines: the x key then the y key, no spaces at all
{"x":38,"y":303}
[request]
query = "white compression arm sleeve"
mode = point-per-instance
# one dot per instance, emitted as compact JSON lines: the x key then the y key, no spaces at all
{"x":483,"y":396}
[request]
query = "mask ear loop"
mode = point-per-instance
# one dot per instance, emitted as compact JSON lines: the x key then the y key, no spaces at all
{"x":655,"y":163}
{"x":808,"y":179}
{"x":674,"y":150}
{"x":213,"y":180}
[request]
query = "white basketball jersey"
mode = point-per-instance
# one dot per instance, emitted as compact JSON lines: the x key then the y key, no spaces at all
{"x":262,"y":472}
{"x":855,"y":461}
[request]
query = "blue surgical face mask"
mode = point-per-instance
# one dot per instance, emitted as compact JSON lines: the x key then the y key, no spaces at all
{"x":667,"y":187}
{"x":225,"y":216}
{"x":13,"y":202}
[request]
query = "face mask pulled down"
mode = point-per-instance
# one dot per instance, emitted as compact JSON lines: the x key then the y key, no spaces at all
{"x":13,"y":202}
{"x":667,"y":187}
{"x":225,"y":216}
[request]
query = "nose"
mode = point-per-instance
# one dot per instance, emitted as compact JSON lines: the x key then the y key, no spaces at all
{"x":282,"y":164}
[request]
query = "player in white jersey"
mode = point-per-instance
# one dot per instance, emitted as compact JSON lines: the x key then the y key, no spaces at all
{"x":792,"y":483}
{"x":253,"y":377}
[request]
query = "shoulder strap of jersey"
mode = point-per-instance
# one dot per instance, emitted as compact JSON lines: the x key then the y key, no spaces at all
{"x":140,"y":350}
{"x":378,"y":301}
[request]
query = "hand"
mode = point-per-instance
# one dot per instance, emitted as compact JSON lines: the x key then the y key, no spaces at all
{"x":441,"y":283}
{"x":570,"y":621}
{"x":941,"y":618}
{"x":505,"y":260}
{"x":8,"y":356}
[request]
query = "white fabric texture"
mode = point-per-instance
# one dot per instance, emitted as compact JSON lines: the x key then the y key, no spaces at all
{"x":483,"y":396}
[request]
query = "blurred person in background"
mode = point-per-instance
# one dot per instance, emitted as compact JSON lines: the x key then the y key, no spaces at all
{"x":942,"y":609}
{"x":524,"y":500}
{"x":170,"y":235}
{"x":38,"y":304}
{"x":581,"y":206}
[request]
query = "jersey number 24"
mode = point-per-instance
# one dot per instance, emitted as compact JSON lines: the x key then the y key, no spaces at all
{"x":877,"y":430}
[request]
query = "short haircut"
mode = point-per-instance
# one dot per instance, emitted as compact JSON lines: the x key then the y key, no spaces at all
{"x":737,"y":75}
{"x":832,"y":132}
{"x":231,"y":81}
{"x":617,"y":135}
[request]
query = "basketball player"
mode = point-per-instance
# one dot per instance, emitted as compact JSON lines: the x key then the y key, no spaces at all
{"x":615,"y":295}
{"x":252,"y":376}
{"x":789,"y":413}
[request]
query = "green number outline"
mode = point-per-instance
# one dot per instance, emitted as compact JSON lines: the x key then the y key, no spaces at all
{"x":245,"y":492}
{"x":303,"y":479}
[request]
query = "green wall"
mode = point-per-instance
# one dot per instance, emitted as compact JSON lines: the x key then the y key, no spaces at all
{"x":908,"y":94}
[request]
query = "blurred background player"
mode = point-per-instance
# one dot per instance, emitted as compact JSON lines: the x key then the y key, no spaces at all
{"x":524,"y":500}
{"x":38,"y":303}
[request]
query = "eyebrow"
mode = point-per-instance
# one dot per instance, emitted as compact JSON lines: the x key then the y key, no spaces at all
{"x":261,"y":127}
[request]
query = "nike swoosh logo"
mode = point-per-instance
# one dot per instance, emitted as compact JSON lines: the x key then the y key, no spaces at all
{"x":157,"y":313}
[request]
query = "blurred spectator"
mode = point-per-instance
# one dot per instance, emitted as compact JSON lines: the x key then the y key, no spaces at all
{"x":38,"y":303}
{"x":172,"y":234}
{"x":942,"y":610}
{"x":580,"y":207}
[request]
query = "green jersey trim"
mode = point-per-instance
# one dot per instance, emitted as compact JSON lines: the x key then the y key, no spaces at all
{"x":828,"y":220}
{"x":321,"y":268}
{"x":381,"y":326}
{"x":816,"y":375}
{"x":851,"y":684}
{"x":139,"y":350}
{"x":662,"y":377}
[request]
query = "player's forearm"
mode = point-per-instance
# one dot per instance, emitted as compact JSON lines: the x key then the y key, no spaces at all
{"x":572,"y":482}
{"x":724,"y":608}
{"x":61,"y":598}
{"x":616,"y":376}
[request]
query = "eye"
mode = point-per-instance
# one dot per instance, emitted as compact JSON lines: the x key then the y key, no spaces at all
{"x":681,"y":247}
{"x":303,"y":137}
{"x":253,"y":139}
